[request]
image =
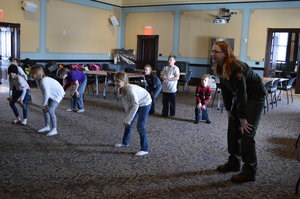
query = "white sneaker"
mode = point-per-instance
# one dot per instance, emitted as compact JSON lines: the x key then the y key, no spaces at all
{"x":121,"y":145}
{"x":44,"y":129}
{"x":52,"y":132}
{"x":80,"y":111}
{"x":24,"y":122}
{"x":69,"y":110}
{"x":141,"y":153}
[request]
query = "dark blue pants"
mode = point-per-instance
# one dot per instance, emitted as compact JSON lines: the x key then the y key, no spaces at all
{"x":168,"y":100}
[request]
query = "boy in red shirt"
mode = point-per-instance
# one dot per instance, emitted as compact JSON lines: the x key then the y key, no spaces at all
{"x":203,"y":96}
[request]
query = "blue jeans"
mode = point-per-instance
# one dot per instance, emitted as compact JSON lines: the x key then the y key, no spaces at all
{"x":79,"y":100}
{"x":142,"y":115}
{"x":154,"y":96}
{"x":204,"y":114}
{"x":15,"y":96}
{"x":50,"y":116}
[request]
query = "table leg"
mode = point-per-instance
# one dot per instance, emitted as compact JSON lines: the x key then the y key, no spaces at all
{"x":96,"y":84}
{"x":105,"y":86}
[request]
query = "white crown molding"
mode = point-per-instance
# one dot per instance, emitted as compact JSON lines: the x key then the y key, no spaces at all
{"x":174,"y":2}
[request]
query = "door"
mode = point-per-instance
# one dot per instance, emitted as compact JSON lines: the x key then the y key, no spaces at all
{"x":9,"y":40}
{"x":282,"y":54}
{"x":297,"y":87}
{"x":147,"y":51}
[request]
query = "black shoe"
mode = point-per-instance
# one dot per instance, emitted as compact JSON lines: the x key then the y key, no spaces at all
{"x":196,"y":122}
{"x":242,"y":177}
{"x":208,"y":121}
{"x":228,"y":168}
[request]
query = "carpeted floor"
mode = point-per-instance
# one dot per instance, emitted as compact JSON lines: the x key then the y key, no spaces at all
{"x":82,"y":162}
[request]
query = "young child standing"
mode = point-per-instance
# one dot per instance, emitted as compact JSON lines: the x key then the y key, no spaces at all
{"x":153,"y":86}
{"x":53,"y":93}
{"x":137,"y":104}
{"x":170,"y":75}
{"x":19,"y":91}
{"x":203,"y":96}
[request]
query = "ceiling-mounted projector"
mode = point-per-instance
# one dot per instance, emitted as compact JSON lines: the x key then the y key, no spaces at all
{"x":220,"y":21}
{"x":29,"y":6}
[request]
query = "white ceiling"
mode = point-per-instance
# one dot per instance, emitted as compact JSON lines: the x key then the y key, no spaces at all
{"x":173,"y":2}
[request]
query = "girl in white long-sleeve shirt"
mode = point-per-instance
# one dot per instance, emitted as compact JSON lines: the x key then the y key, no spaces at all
{"x":137,"y":104}
{"x":53,"y":93}
{"x":19,"y":90}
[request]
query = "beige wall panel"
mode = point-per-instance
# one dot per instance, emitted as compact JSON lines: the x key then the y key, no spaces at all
{"x":260,"y":21}
{"x":162,"y":23}
{"x":197,"y":30}
{"x":30,"y":23}
{"x":79,"y":29}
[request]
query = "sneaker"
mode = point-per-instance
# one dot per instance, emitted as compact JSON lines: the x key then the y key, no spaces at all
{"x":52,"y":132}
{"x":242,"y":177}
{"x":196,"y":122}
{"x":80,"y":111}
{"x":16,"y":122}
{"x":44,"y":129}
{"x":69,"y":110}
{"x":208,"y":121}
{"x":24,"y":122}
{"x":121,"y":145}
{"x":141,"y":153}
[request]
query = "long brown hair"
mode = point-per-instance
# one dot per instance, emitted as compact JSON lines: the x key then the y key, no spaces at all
{"x":37,"y":72}
{"x":225,"y":70}
{"x":123,"y":77}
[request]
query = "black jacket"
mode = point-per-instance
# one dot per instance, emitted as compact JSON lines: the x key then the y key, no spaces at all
{"x":244,"y":84}
{"x":152,"y":82}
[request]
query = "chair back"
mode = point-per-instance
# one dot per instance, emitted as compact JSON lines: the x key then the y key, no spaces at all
{"x":271,"y":86}
{"x":290,"y":83}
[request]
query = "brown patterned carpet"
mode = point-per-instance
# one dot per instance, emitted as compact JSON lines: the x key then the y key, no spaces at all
{"x":82,"y":162}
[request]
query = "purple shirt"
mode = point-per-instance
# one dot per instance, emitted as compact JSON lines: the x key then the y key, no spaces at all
{"x":76,"y":75}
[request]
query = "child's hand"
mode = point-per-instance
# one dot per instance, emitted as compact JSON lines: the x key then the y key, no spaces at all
{"x":203,"y":107}
{"x":75,"y":94}
{"x":199,"y":106}
{"x":20,"y":102}
{"x":45,"y":109}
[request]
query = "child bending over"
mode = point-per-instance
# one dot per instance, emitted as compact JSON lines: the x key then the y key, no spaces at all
{"x":53,"y":93}
{"x":19,"y":92}
{"x":137,"y":104}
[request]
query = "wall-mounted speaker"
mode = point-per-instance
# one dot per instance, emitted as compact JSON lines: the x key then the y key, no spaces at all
{"x":114,"y":21}
{"x":29,"y":6}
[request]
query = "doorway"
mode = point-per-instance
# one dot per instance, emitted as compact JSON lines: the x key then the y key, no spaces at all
{"x":147,"y":51}
{"x":9,"y":40}
{"x":283,"y":54}
{"x":9,"y":46}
